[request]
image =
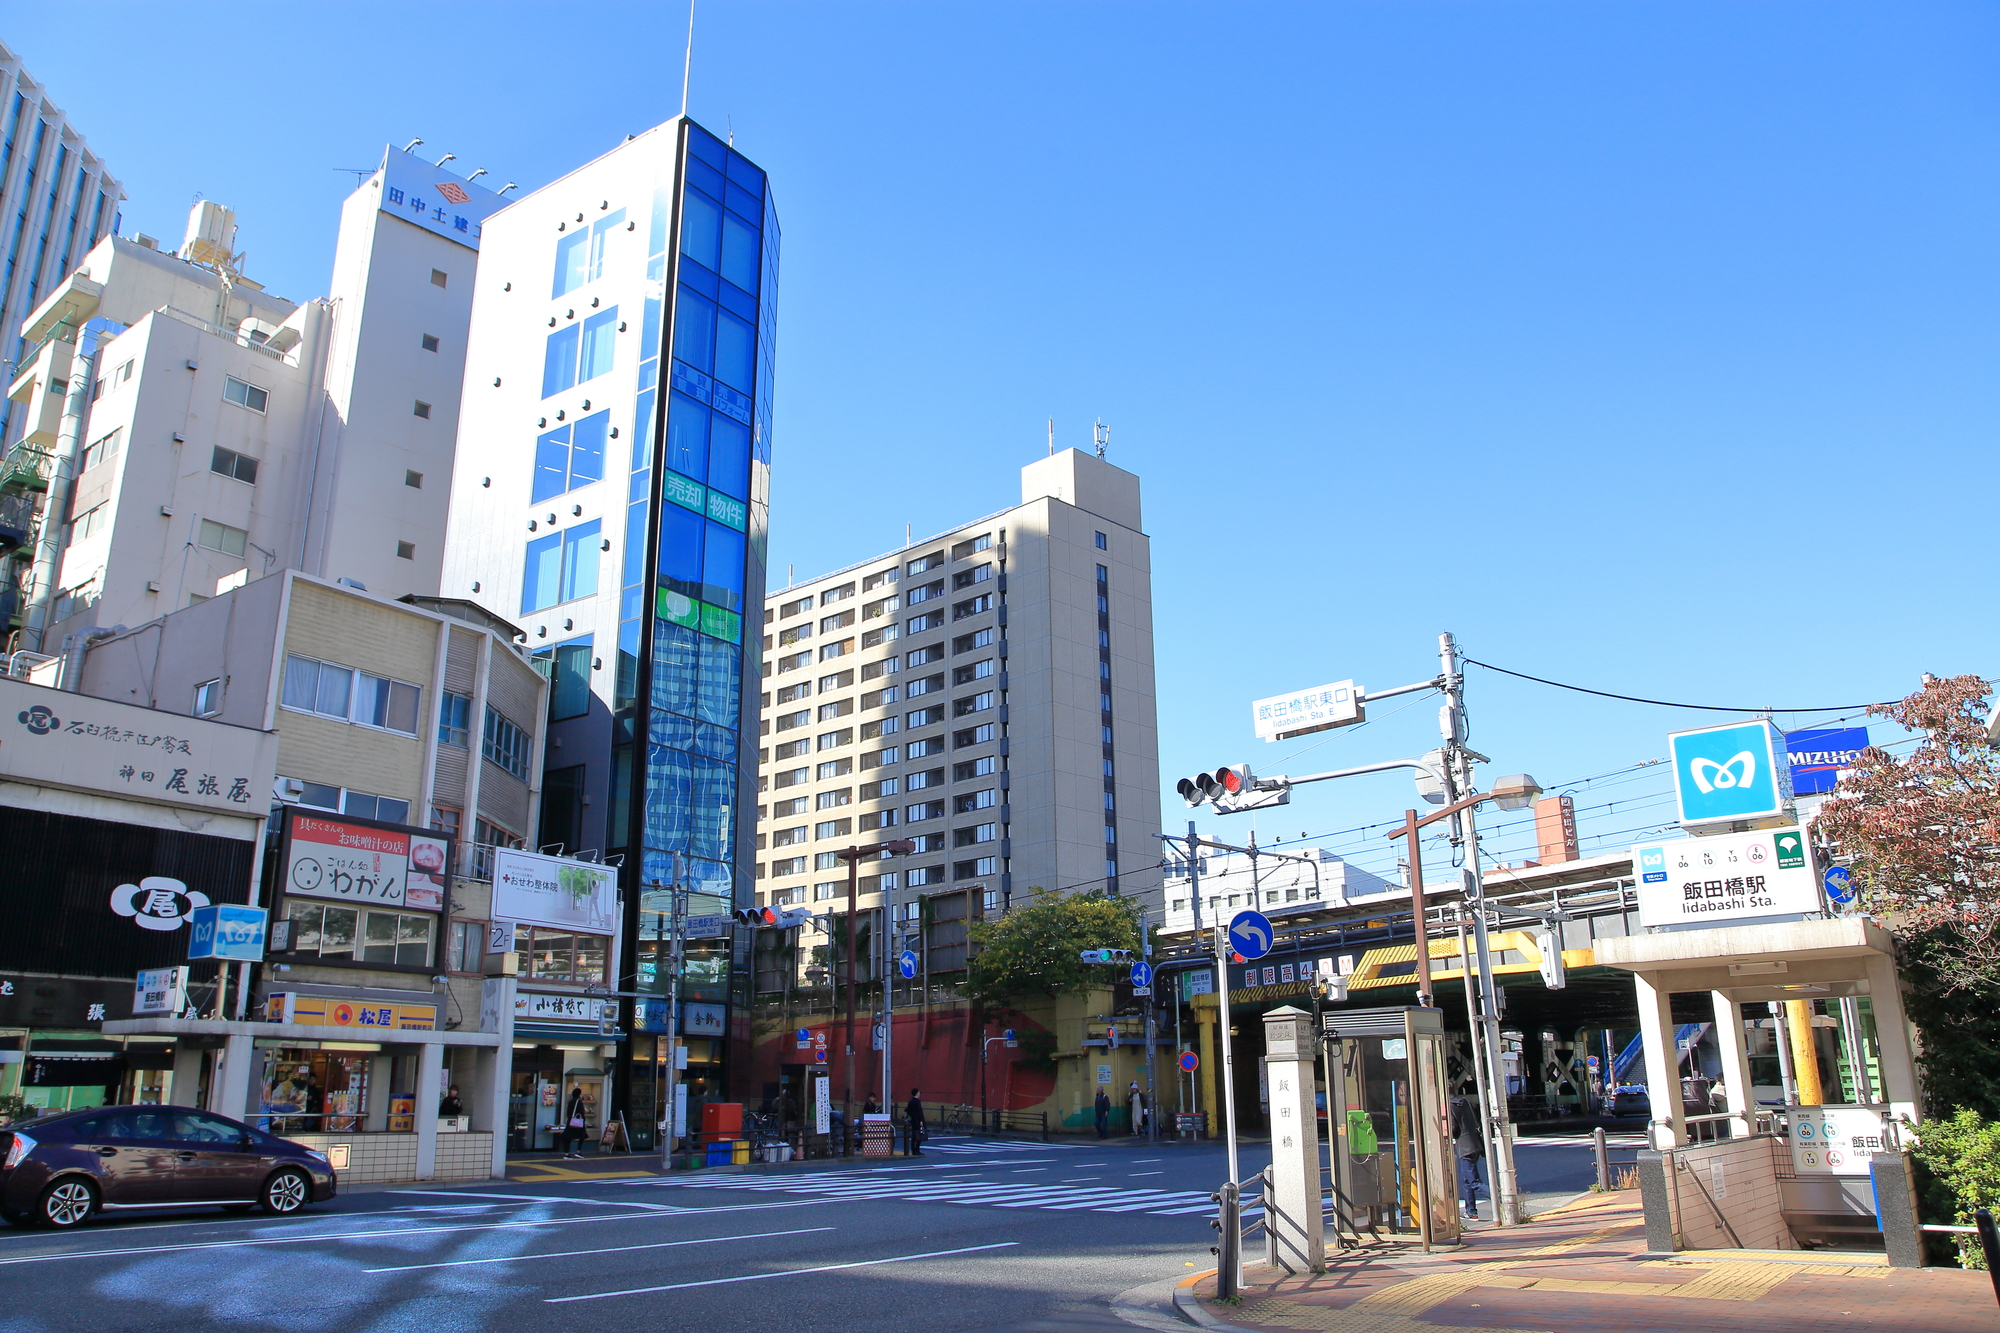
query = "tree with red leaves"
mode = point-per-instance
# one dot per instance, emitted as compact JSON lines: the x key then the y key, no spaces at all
{"x":1921,"y":835}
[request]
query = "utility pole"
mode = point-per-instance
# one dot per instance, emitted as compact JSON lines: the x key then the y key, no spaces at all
{"x":1458,"y":781}
{"x":1152,"y":1072}
{"x":677,"y":966}
{"x":1231,"y":1247}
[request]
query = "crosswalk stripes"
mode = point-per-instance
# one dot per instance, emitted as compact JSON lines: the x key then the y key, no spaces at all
{"x":870,"y":1186}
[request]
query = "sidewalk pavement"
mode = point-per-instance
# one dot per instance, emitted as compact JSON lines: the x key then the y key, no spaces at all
{"x":1582,"y":1269}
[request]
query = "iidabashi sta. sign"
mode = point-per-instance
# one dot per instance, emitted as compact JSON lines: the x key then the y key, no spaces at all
{"x":1731,"y":877}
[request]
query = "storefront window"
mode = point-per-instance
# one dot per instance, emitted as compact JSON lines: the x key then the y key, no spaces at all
{"x":313,"y":1091}
{"x":559,"y":955}
{"x":383,"y":937}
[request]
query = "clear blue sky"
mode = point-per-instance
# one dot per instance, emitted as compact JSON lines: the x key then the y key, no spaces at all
{"x":1646,"y":346}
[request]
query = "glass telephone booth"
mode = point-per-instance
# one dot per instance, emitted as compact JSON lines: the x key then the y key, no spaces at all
{"x":1393,"y":1164}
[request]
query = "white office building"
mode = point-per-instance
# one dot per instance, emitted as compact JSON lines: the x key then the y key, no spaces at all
{"x":56,"y":202}
{"x":229,"y":433}
{"x":1291,"y":885}
{"x":986,"y":693}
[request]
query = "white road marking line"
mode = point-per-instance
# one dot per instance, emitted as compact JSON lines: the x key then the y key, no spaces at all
{"x":1029,"y":1171}
{"x":609,"y":1249}
{"x":1071,"y":1180}
{"x":555,"y":1198}
{"x":793,"y":1272}
{"x":1137,"y":1174}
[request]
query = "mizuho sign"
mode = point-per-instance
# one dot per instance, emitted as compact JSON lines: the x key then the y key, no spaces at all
{"x":1723,"y":774}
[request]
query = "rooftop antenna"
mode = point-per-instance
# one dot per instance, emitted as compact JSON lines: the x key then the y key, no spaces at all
{"x":1052,"y":437}
{"x":1102,"y":434}
{"x":687,"y":68}
{"x":360,"y":173}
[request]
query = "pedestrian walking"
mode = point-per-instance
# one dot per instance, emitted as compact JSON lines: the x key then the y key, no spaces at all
{"x":1103,"y":1108}
{"x":913,"y":1125}
{"x":573,"y":1125}
{"x":1470,"y":1145}
{"x":1136,"y":1100}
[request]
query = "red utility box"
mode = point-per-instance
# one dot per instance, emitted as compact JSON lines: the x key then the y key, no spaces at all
{"x":721,"y":1120}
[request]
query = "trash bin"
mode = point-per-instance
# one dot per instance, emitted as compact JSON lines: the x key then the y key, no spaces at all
{"x":740,"y":1152}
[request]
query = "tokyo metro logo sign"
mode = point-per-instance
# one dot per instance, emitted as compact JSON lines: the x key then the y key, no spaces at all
{"x":1730,"y":773}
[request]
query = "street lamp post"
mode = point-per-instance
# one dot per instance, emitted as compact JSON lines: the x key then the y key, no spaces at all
{"x":854,"y":857}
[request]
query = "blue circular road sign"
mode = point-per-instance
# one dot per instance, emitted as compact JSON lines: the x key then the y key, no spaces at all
{"x":1142,"y":974}
{"x":1189,"y":1061}
{"x":1250,"y":934}
{"x":1839,"y":885}
{"x":906,"y":962}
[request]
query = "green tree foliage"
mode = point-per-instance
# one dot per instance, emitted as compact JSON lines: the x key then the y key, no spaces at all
{"x":1032,"y":951}
{"x":1960,"y":1027}
{"x":1963,"y":1156}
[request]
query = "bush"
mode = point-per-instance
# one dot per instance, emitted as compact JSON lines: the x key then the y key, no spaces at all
{"x":1962,"y":1155}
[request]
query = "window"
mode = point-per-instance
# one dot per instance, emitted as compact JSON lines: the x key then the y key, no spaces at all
{"x":834,"y":768}
{"x":923,"y":624}
{"x":888,"y":666}
{"x":1102,"y":544}
{"x":422,"y":409}
{"x":875,"y":791}
{"x":984,"y":799}
{"x":788,"y":721}
{"x":842,"y":620}
{"x":388,"y":704}
{"x":832,"y":650}
{"x":90,"y":522}
{"x":790,"y":865}
{"x":833,"y":828}
{"x":414,"y":480}
{"x":446,"y":820}
{"x":792,"y":749}
{"x":972,"y":547}
{"x":966,"y":643}
{"x":975,"y":703}
{"x":317,"y":687}
{"x":600,"y":333}
{"x":406,"y":550}
{"x":1107,"y":770}
{"x":791,"y":777}
{"x":968,"y":769}
{"x":925,"y":564}
{"x":839,"y":680}
{"x":505,"y":744}
{"x":790,"y":636}
{"x":786,"y":837}
{"x":318,"y":929}
{"x":438,"y":278}
{"x":916,"y":814}
{"x":878,"y":698}
{"x":878,"y":819}
{"x":570,"y":457}
{"x":880,"y":607}
{"x":455,"y":720}
{"x":208,"y":698}
{"x":221,"y":537}
{"x":923,"y":717}
{"x":877,"y":729}
{"x":559,"y":360}
{"x":826,"y":890}
{"x":558,"y":955}
{"x":568,"y":668}
{"x":794,"y":661}
{"x":875,"y":638}
{"x":104,"y":449}
{"x":837,"y":709}
{"x":840,"y":594}
{"x":874,"y":581}
{"x":985,"y":865}
{"x":924,"y":593}
{"x":826,"y":861}
{"x":972,"y":735}
{"x":244,"y":395}
{"x":926,"y":842}
{"x":1103,"y":574}
{"x":833,"y":740}
{"x":965,"y":675}
{"x":966,"y":578}
{"x":923,"y":685}
{"x":795,"y":806}
{"x":919,"y":749}
{"x":386,"y":808}
{"x":978,"y":833}
{"x":920,"y":656}
{"x":790,"y":693}
{"x":789,"y":609}
{"x":972,"y":606}
{"x":465,"y":948}
{"x":926,"y":875}
{"x":430,"y":342}
{"x":991,"y":902}
{"x":561,"y":567}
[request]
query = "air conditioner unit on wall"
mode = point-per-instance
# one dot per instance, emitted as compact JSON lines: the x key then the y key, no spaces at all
{"x":288,"y":790}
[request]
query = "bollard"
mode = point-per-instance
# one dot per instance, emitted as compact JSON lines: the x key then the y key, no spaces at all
{"x":1603,"y":1161}
{"x":1989,"y":1241}
{"x":1228,"y":1241}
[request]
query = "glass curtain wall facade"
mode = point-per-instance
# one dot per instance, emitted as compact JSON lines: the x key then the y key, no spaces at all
{"x":696,"y":526}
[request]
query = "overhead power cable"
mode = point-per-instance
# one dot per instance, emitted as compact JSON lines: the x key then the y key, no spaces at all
{"x":1664,"y":703}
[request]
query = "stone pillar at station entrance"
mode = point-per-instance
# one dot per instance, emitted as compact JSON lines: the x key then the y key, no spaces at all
{"x":1292,"y":1214}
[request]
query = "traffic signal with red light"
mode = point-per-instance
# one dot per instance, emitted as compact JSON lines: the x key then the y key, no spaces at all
{"x":1202,"y":788}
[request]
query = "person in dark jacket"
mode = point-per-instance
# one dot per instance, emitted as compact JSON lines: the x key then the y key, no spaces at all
{"x":913,"y":1124}
{"x":1103,"y":1108}
{"x":1470,"y":1145}
{"x":574,"y":1131}
{"x":450,"y":1105}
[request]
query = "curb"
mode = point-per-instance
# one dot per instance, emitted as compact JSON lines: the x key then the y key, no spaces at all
{"x":1187,"y":1306}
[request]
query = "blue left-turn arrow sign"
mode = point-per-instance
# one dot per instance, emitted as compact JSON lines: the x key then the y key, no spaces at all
{"x":1250,"y":934}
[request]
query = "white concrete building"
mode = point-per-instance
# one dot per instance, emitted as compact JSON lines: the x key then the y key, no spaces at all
{"x":229,"y":433}
{"x":986,"y":693}
{"x":1285,"y":883}
{"x":56,"y":202}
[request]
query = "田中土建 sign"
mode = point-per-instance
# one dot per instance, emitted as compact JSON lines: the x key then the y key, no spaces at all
{"x":1723,"y":774}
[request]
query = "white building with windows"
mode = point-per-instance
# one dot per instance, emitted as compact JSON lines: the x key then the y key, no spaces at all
{"x":228,"y":433}
{"x":56,"y":202}
{"x":1287,"y":884}
{"x":986,"y":693}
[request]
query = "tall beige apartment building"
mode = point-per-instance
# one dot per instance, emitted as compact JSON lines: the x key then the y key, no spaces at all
{"x":986,"y":693}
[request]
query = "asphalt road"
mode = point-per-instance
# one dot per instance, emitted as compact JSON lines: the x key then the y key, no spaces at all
{"x":973,"y":1236}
